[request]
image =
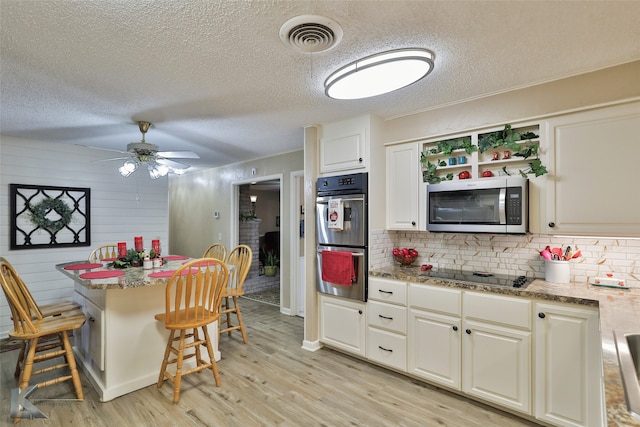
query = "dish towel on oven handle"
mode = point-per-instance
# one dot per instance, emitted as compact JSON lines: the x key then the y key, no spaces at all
{"x":337,"y":268}
{"x":335,"y":213}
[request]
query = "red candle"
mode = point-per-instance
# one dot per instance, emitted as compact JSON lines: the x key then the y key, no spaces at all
{"x":137,"y":241}
{"x":122,"y":249}
{"x":155,"y":244}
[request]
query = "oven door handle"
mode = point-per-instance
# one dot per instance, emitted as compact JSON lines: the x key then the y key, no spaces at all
{"x":352,"y":253}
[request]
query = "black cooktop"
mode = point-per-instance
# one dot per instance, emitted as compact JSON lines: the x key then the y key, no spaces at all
{"x":480,"y":277}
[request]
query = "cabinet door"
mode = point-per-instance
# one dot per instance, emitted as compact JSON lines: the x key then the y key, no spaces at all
{"x":403,"y":179}
{"x":568,"y":383}
{"x":93,"y":334}
{"x":497,"y":364}
{"x":345,"y":152}
{"x":343,"y":324}
{"x":598,"y":151}
{"x":434,"y":347}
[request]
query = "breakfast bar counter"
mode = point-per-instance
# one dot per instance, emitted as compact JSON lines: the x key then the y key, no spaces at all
{"x":121,"y":345}
{"x":618,"y":310}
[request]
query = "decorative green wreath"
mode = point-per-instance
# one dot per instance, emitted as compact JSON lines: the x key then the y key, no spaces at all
{"x":39,"y":214}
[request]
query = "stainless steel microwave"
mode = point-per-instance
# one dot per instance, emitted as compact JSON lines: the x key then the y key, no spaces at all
{"x":486,"y":205}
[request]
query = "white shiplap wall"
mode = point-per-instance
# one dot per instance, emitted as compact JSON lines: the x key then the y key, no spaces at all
{"x":121,"y":208}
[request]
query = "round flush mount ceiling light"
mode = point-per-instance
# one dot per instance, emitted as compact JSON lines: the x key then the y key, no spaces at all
{"x":380,"y":73}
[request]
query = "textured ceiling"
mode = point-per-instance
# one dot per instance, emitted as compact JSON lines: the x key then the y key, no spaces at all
{"x":214,"y":77}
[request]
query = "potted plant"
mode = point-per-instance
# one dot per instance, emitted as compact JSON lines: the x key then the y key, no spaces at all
{"x":270,"y":263}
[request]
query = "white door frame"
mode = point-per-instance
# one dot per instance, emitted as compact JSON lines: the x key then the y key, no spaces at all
{"x":296,"y":178}
{"x":234,"y":235}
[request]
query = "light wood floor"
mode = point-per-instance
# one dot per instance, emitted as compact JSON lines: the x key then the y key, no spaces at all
{"x":271,"y":381}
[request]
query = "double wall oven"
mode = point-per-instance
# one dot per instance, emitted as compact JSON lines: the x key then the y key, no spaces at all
{"x":342,"y":233}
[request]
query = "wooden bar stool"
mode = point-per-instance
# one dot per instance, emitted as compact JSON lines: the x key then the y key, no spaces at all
{"x":192,"y":302}
{"x":240,"y":257}
{"x":45,"y":336}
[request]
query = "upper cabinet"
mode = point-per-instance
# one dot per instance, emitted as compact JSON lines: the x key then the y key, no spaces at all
{"x":403,"y":185}
{"x":344,"y":146}
{"x":593,"y":160}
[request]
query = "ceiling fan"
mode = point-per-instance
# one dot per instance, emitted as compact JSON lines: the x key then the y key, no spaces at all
{"x":159,"y":163}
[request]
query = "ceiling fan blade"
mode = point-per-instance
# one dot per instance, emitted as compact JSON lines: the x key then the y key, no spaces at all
{"x":179,"y":154}
{"x":104,"y":149}
{"x":113,"y":158}
{"x":172,"y":163}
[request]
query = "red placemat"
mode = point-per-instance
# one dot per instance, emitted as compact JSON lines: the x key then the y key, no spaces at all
{"x":175,"y":257}
{"x":166,"y":273}
{"x":86,"y":266}
{"x":101,"y":274}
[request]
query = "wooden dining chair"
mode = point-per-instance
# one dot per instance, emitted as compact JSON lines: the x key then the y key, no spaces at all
{"x":46,"y":336}
{"x":104,"y":251}
{"x":217,"y":251}
{"x":192,"y":302}
{"x":239,"y":262}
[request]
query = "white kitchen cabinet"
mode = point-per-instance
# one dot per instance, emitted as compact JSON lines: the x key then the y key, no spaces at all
{"x":434,"y":341}
{"x":592,"y":156}
{"x":568,"y":381}
{"x":403,"y":179}
{"x":344,"y":145}
{"x":387,"y":323}
{"x":90,"y":337}
{"x":343,"y":324}
{"x":496,"y":349}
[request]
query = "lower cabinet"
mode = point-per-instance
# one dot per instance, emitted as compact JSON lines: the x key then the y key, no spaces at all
{"x":434,"y":345}
{"x":343,"y":324}
{"x":505,"y":350}
{"x":497,"y":364}
{"x":496,"y":349}
{"x":569,"y":379}
{"x":91,"y":334}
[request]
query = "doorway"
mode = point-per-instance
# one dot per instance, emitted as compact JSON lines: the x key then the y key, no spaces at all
{"x":259,"y":205}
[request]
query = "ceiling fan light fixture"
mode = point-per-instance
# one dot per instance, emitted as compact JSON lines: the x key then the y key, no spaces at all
{"x":379,"y":74}
{"x":127,"y":168}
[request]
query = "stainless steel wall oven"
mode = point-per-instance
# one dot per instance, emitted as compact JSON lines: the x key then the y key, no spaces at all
{"x":342,"y":233}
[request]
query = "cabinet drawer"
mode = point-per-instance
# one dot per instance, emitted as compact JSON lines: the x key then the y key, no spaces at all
{"x":387,"y":316}
{"x":387,"y":348}
{"x":508,"y":311}
{"x":434,"y":298}
{"x":384,"y":290}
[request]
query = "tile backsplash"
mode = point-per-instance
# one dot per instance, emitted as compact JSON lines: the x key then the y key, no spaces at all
{"x":510,"y":254}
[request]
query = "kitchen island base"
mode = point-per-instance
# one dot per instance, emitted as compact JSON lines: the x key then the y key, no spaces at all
{"x":121,"y":346}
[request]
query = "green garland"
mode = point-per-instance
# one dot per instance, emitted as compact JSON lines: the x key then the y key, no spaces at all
{"x":39,"y":214}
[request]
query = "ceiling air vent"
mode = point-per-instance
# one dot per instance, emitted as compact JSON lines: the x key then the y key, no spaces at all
{"x":310,"y":33}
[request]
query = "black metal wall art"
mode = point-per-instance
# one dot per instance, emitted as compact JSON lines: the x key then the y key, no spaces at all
{"x":47,"y":217}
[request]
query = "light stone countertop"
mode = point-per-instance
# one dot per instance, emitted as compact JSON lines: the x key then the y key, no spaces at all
{"x":134,"y":277}
{"x":619,"y":309}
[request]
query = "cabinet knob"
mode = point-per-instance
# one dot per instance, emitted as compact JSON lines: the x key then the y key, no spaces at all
{"x":413,"y":223}
{"x":552,"y":224}
{"x":360,"y":159}
{"x":541,"y":315}
{"x":455,"y":328}
{"x":468,"y":331}
{"x":91,"y":319}
{"x":359,"y":311}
